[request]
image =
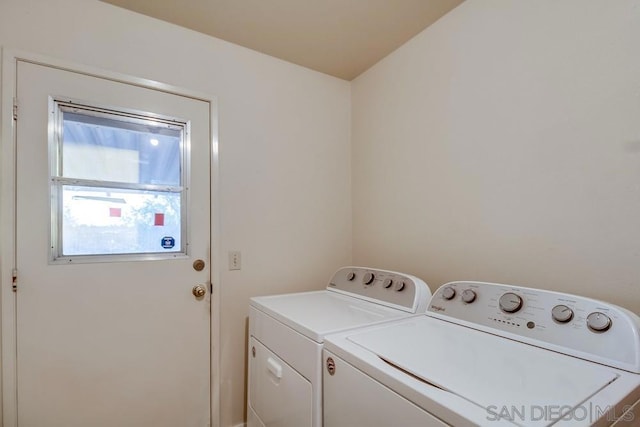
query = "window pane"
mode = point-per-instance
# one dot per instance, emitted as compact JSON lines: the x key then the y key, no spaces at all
{"x":105,"y":147}
{"x":114,"y":221}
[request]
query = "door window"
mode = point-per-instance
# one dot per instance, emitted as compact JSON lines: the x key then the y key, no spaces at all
{"x":117,"y":183}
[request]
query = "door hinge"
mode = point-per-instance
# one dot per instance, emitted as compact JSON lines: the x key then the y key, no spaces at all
{"x":14,"y":280}
{"x":15,"y":109}
{"x":210,"y":288}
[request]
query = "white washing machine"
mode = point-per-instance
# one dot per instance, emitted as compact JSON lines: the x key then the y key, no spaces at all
{"x":286,"y":334}
{"x":488,"y":355}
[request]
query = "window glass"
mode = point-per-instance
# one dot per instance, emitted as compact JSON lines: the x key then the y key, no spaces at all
{"x":117,"y":183}
{"x":110,"y":221}
{"x":99,"y":147}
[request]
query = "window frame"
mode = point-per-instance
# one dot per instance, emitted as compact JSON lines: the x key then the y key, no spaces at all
{"x":57,"y":108}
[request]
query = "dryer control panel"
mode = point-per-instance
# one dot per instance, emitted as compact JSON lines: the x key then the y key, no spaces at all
{"x":390,"y":288}
{"x":569,"y":324}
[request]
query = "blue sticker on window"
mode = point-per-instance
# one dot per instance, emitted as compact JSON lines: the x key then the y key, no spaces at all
{"x":168,"y":242}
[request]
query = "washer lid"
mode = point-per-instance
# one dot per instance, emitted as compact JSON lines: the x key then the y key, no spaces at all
{"x":315,"y":314}
{"x":525,"y":384}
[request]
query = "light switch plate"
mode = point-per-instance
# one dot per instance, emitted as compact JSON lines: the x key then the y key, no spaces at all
{"x":235,"y":260}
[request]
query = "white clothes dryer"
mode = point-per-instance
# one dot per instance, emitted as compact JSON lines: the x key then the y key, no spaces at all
{"x":489,"y":355}
{"x":286,"y":334}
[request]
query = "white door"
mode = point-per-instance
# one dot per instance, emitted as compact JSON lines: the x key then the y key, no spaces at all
{"x":112,"y":214}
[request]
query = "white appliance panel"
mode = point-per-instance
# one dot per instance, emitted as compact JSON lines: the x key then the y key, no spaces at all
{"x":252,"y":418}
{"x":464,"y":361}
{"x":366,"y":393}
{"x":534,"y":323}
{"x":302,"y":353}
{"x":492,"y":354}
{"x":281,"y":395}
{"x":290,"y":328}
{"x":315,"y":314}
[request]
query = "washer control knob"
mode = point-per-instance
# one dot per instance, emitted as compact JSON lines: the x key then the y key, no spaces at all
{"x":468,"y":296}
{"x":351,"y":275}
{"x":400,"y":286}
{"x":448,"y":293}
{"x":561,"y":313}
{"x":368,"y":278}
{"x":598,"y":322}
{"x":510,"y":302}
{"x":387,"y":283}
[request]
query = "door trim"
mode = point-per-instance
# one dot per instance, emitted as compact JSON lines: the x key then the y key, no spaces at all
{"x":10,"y":59}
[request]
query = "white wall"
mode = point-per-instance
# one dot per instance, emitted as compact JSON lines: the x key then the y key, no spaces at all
{"x":284,"y":148}
{"x":503,"y":144}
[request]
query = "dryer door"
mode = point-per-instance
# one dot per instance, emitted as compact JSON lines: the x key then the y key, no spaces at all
{"x":278,"y":395}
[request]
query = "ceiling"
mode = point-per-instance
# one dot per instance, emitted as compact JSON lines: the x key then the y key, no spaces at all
{"x":342,"y":38}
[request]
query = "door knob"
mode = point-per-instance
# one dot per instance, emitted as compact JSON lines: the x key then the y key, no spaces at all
{"x":199,"y":291}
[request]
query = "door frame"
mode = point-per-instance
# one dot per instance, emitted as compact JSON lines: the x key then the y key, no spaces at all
{"x":8,"y":139}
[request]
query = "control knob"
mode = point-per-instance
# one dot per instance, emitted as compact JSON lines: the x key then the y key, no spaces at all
{"x":351,"y":275}
{"x":598,"y":322}
{"x":387,"y":283}
{"x":368,"y":278}
{"x":448,"y":293}
{"x":468,"y":296}
{"x":561,"y":313}
{"x":510,"y":302}
{"x":400,"y":286}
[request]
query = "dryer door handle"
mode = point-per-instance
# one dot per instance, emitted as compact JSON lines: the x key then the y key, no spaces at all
{"x":274,"y":367}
